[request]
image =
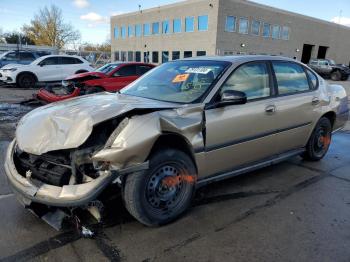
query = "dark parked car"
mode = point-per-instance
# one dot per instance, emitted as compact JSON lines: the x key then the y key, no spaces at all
{"x":328,"y":68}
{"x":20,"y":57}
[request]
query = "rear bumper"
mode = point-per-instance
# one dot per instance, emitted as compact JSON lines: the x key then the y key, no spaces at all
{"x":66,"y":196}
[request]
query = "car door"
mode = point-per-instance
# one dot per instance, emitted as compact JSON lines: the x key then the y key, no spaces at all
{"x":121,"y":77}
{"x":237,"y":135}
{"x":295,"y":105}
{"x":48,"y":69}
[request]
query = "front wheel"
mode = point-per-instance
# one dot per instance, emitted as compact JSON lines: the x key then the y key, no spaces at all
{"x":336,"y":76}
{"x":26,"y":81}
{"x":318,"y":144}
{"x":163,"y":192}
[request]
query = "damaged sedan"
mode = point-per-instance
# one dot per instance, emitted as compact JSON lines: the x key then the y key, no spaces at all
{"x":181,"y":126}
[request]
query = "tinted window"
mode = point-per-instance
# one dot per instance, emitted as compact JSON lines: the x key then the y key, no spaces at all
{"x":176,"y":55}
{"x":146,"y":57}
{"x":116,"y":32}
{"x":12,"y":56}
{"x":276,"y":29}
{"x":285,"y":33}
{"x":177,"y":25}
{"x":131,"y":29}
{"x":230,"y":24}
{"x":126,"y":71}
{"x":201,"y":53}
{"x":252,"y":79}
{"x":155,"y":57}
{"x":50,"y":61}
{"x":189,"y":24}
{"x":138,"y":30}
{"x":123,"y":32}
{"x":313,"y":79}
{"x":123,"y":56}
{"x":165,"y":28}
{"x":187,"y":54}
{"x":155,"y":28}
{"x":117,"y":55}
{"x":255,"y":28}
{"x":69,"y":61}
{"x":291,"y":78}
{"x":203,"y":23}
{"x":266,"y":30}
{"x":146,"y":29}
{"x":165,"y":56}
{"x":26,"y":56}
{"x":243,"y":25}
{"x":141,"y":69}
{"x":130,"y":56}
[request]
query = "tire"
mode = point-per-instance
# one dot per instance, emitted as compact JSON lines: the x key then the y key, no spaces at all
{"x":162,"y":193}
{"x":318,"y":144}
{"x":345,"y":78}
{"x":336,"y":76}
{"x":26,"y":81}
{"x":93,"y":90}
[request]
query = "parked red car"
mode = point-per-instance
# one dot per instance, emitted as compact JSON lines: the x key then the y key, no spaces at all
{"x":110,"y":77}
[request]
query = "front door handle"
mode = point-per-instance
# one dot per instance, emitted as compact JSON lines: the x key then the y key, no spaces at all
{"x":315,"y":101}
{"x":270,"y":109}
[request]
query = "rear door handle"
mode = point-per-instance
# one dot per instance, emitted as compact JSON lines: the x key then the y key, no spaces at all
{"x":270,"y":109}
{"x":315,"y":101}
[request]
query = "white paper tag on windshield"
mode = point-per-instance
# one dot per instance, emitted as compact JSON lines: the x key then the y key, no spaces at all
{"x":198,"y":70}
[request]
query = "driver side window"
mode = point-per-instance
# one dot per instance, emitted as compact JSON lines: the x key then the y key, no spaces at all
{"x":126,"y":71}
{"x":252,"y":79}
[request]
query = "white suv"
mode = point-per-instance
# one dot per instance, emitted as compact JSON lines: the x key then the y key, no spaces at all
{"x":44,"y":69}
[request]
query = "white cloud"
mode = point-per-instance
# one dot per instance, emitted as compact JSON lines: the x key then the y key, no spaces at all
{"x":94,"y":18}
{"x":341,"y":20}
{"x":81,"y":3}
{"x":117,"y":13}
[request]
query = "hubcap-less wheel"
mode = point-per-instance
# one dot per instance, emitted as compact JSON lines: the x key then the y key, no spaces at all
{"x":322,"y":139}
{"x":27,"y":81}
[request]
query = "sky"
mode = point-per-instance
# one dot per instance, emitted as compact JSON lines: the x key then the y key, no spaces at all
{"x":91,"y":17}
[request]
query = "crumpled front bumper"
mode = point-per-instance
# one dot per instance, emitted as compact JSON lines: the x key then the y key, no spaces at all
{"x":66,"y":196}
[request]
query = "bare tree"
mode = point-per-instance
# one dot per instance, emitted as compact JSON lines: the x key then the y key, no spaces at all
{"x":48,"y":28}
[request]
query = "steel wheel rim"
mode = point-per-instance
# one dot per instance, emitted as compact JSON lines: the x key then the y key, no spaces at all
{"x":321,"y":140}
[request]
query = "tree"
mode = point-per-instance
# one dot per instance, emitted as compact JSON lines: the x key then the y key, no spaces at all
{"x":16,"y":38}
{"x":48,"y":28}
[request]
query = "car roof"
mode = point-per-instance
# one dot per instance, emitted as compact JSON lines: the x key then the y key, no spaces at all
{"x":239,"y":58}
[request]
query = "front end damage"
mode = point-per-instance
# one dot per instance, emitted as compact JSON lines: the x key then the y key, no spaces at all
{"x":55,"y":180}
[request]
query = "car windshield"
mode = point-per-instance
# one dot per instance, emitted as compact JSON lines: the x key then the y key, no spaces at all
{"x":107,"y":68}
{"x":179,"y":81}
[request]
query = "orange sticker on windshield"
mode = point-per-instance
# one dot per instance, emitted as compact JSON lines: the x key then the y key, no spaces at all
{"x":181,"y":78}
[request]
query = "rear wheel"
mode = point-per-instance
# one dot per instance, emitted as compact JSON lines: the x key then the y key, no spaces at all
{"x":318,"y":144}
{"x":336,"y":76}
{"x":162,"y":193}
{"x":26,"y":81}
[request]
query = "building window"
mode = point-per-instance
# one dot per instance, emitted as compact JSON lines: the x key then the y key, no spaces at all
{"x":243,"y":25}
{"x":266,"y":30}
{"x":276,"y":30}
{"x":187,"y":54}
{"x":138,"y":56}
{"x":177,"y":25}
{"x":203,"y":23}
{"x":176,"y":55}
{"x":155,"y":28}
{"x":131,"y":29}
{"x":189,"y":24}
{"x":165,"y":56}
{"x":116,"y":56}
{"x":146,"y":30}
{"x":230,"y":24}
{"x":130,"y":56}
{"x":123,"y":32}
{"x":255,"y":28}
{"x":116,"y":32}
{"x":146,"y":57}
{"x":123,"y":56}
{"x":165,"y":27}
{"x":155,"y":57}
{"x":201,"y":53}
{"x":285,"y":33}
{"x":138,"y":30}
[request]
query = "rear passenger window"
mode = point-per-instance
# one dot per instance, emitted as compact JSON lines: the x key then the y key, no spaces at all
{"x":126,"y":71}
{"x":140,"y":70}
{"x":252,"y":79}
{"x":291,"y":78}
{"x":26,"y":56}
{"x":313,"y":79}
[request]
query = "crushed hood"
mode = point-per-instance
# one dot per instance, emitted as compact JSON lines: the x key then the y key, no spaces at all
{"x":68,"y":124}
{"x":87,"y":75}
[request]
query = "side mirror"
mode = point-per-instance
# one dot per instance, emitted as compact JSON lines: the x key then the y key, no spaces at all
{"x":232,"y":97}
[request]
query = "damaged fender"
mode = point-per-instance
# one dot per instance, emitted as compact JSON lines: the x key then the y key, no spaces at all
{"x":135,"y":137}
